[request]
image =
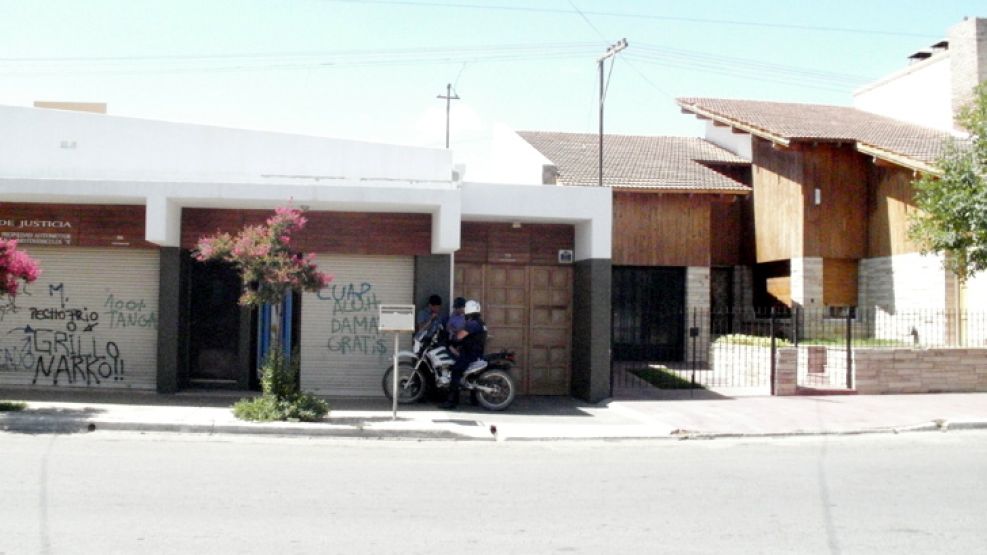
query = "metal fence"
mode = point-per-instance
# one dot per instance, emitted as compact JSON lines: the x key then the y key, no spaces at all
{"x":732,"y":352}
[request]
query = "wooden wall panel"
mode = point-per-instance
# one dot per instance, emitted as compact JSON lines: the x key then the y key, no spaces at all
{"x":727,"y":237}
{"x":837,"y":226}
{"x":79,"y":225}
{"x":780,"y":288}
{"x":548,"y":239}
{"x":326,"y":232}
{"x":653,"y":229}
{"x":778,"y":203}
{"x":502,"y":243}
{"x":891,"y":204}
{"x":508,"y":245}
{"x":840,"y":282}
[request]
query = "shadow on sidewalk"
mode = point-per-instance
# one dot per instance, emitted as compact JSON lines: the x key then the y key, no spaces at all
{"x":189,"y":398}
{"x":49,"y":420}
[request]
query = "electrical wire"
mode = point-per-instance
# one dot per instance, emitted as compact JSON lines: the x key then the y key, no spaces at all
{"x":711,"y":21}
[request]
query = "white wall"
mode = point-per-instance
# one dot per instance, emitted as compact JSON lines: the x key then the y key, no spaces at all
{"x":169,"y":166}
{"x":920,"y":94}
{"x":512,"y":160}
{"x":40,"y":143}
{"x":723,"y":137}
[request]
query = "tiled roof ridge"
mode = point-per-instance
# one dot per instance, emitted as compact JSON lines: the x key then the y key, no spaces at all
{"x":639,"y":161}
{"x":849,"y":109}
{"x":905,"y":143}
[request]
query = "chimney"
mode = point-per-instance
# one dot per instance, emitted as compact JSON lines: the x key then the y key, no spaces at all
{"x":967,"y":58}
{"x":549,"y":174}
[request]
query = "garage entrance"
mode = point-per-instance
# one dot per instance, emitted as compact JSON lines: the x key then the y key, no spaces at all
{"x":528,"y":309}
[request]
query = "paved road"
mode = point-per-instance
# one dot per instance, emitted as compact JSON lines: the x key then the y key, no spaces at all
{"x":118,"y":492}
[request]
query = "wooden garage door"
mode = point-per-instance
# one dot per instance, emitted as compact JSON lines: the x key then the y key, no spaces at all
{"x":528,"y":309}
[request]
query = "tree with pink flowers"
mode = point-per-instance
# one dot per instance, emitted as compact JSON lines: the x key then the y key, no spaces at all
{"x":263,"y":256}
{"x":270,"y":271}
{"x":16,"y":268}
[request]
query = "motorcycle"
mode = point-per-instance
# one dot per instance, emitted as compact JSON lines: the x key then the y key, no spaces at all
{"x":427,"y":368}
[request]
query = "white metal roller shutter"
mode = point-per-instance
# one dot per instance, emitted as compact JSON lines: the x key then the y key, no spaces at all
{"x":90,"y":320}
{"x":342,"y":353}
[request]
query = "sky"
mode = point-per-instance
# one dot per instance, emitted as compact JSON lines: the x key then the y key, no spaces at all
{"x":372,"y":69}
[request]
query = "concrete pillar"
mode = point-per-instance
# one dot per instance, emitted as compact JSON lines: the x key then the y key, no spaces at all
{"x":697,"y":311}
{"x":591,"y":329}
{"x":807,"y":282}
{"x":169,"y":327}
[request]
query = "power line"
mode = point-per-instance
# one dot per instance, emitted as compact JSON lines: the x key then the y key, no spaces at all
{"x":527,"y":47}
{"x":735,"y":22}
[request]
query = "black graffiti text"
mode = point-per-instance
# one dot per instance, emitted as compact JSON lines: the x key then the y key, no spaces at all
{"x":359,"y":344}
{"x":129,"y":313}
{"x":72,"y":357}
{"x":354,"y":324}
{"x":350,"y":297}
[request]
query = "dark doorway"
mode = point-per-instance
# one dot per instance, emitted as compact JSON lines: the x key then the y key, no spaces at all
{"x":648,"y":313}
{"x":213,"y":324}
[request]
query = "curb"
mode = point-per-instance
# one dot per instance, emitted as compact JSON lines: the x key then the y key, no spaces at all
{"x":36,"y":425}
{"x":934,"y":426}
{"x":39,"y":425}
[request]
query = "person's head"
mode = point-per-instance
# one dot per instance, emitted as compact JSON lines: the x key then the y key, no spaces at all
{"x":459,"y":305}
{"x":435,"y":303}
{"x":472,"y":309}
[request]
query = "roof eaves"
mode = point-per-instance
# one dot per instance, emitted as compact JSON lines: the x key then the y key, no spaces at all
{"x":694,"y":190}
{"x":898,"y":159}
{"x":737,"y":124}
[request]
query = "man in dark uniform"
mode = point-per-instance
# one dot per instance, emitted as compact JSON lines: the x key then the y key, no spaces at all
{"x":468,"y":343}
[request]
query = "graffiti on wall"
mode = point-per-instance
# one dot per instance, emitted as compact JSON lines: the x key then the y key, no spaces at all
{"x":353,"y":319}
{"x":60,"y":342}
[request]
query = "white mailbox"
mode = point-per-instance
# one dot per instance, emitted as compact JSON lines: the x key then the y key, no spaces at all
{"x":396,"y":317}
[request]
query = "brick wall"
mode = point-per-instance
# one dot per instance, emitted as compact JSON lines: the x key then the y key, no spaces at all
{"x":786,"y":369}
{"x":880,"y":371}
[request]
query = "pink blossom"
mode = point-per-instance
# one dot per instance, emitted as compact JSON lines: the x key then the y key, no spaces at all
{"x":15,"y":267}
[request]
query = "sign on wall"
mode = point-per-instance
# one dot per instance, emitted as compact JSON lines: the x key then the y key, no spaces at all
{"x":59,"y":231}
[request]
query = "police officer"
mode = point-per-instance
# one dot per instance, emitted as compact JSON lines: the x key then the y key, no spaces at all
{"x":469,"y":343}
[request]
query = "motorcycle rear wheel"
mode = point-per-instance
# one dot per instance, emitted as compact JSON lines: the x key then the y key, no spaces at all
{"x":503,"y":390}
{"x":411,"y":383}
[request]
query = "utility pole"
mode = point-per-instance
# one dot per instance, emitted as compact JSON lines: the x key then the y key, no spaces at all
{"x":611,"y":52}
{"x":449,"y":97}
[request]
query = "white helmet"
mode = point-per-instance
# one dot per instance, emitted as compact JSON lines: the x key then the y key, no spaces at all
{"x":472,"y":307}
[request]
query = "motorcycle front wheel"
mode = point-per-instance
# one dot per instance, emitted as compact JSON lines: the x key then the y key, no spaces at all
{"x":495,"y":390}
{"x":411,"y":383}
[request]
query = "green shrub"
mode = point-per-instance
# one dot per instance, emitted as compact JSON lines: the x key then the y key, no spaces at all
{"x":278,"y":377}
{"x":12,"y":406}
{"x":281,"y":398}
{"x":751,"y":340}
{"x":302,"y":407}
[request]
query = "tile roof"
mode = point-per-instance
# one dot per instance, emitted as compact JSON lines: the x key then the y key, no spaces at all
{"x":637,"y":162}
{"x":817,"y":122}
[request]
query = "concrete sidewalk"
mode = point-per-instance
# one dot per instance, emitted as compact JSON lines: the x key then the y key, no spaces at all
{"x":530,"y":418}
